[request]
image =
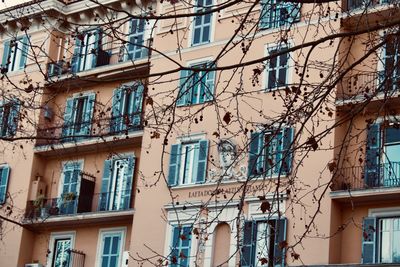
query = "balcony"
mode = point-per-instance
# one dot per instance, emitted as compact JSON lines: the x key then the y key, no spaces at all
{"x":86,"y":207}
{"x":380,"y":183}
{"x":362,"y":87}
{"x":120,"y":131}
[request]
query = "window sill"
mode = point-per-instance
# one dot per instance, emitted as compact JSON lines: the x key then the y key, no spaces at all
{"x":200,"y":44}
{"x":192,"y":105}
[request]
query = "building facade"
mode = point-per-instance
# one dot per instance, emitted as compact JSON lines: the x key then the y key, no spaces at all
{"x":200,"y":133}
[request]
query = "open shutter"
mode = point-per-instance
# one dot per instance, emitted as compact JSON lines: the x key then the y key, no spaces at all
{"x":1,"y":118}
{"x":137,"y":104}
{"x":24,"y":52}
{"x":265,"y":15}
{"x":275,"y":152}
{"x":255,"y":153}
{"x":287,"y":153}
{"x":202,"y":162}
{"x":174,"y":163}
{"x":209,"y":86}
{"x":96,"y":46}
{"x":77,"y":56}
{"x":175,"y":246}
{"x":128,"y":178}
{"x":68,"y":127}
{"x":4,"y":175}
{"x":105,"y":185}
{"x":247,"y":254}
{"x":116,"y":117}
{"x":6,"y":55}
{"x":87,"y":117}
{"x":13,"y":118}
{"x":368,"y":240}
{"x":280,"y":236}
{"x":184,"y":83}
{"x":372,"y":172}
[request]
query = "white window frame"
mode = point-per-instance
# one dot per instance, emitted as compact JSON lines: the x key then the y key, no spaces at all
{"x":149,"y":29}
{"x":289,"y":69}
{"x":58,"y":235}
{"x":114,"y":230}
{"x":15,"y":58}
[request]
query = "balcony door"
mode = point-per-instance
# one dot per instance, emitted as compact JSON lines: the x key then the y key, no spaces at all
{"x":61,"y":252}
{"x":68,"y":197}
{"x":391,"y":157}
{"x":117,"y":184}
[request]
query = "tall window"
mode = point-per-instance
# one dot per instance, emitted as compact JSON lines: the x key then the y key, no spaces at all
{"x":62,"y":252}
{"x":116,"y":185}
{"x":196,"y":87}
{"x":68,"y":201}
{"x":180,"y":247}
{"x":202,"y":24}
{"x":391,"y":64}
{"x":261,"y":243}
{"x":111,"y":248}
{"x":276,"y":13}
{"x":127,"y":108}
{"x":15,"y":54}
{"x":381,"y":240}
{"x":188,"y":163}
{"x":382,"y":165}
{"x":9,"y":113}
{"x":277,"y":69}
{"x":4,"y":176}
{"x":270,"y":152}
{"x":136,"y":40}
{"x":78,"y":116}
{"x":87,"y":50}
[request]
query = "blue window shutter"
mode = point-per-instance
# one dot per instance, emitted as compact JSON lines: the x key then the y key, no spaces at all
{"x":13,"y":118}
{"x":184,"y":87}
{"x":277,"y":154}
{"x":4,"y":176}
{"x":280,"y":236}
{"x":287,"y":153}
{"x":137,"y":104}
{"x":87,"y":117}
{"x":372,"y":170}
{"x":77,"y":56}
{"x":1,"y":118}
{"x":174,"y":164}
{"x":369,"y":240}
{"x":24,"y":52}
{"x":128,"y":178}
{"x":255,"y":154}
{"x":210,"y":80}
{"x":97,"y":41}
{"x":265,"y":14}
{"x":105,"y":185}
{"x":116,"y":117}
{"x":68,"y":126}
{"x":202,"y":162}
{"x":247,"y":252}
{"x":6,"y":55}
{"x":175,"y":246}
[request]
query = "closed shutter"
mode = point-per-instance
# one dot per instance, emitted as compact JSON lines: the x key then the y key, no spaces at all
{"x":265,"y":15}
{"x":174,"y":164}
{"x":137,"y":105}
{"x":6,"y":55}
{"x":280,"y":238}
{"x":368,"y":240}
{"x":128,"y":179}
{"x":105,"y":186}
{"x":372,"y":168}
{"x":209,"y":85}
{"x":202,"y":161}
{"x":247,"y":252}
{"x":87,"y":116}
{"x":287,"y":153}
{"x":77,"y":56}
{"x":68,"y":127}
{"x":24,"y":52}
{"x":13,"y":117}
{"x":255,"y":154}
{"x":4,"y":176}
{"x":184,"y":88}
{"x":116,"y":117}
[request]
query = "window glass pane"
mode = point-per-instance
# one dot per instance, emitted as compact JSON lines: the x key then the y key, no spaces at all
{"x":206,"y":33}
{"x":262,"y":245}
{"x":104,"y":261}
{"x":113,"y":261}
{"x":115,"y":245}
{"x":107,"y":243}
{"x":207,"y":18}
{"x":196,"y":38}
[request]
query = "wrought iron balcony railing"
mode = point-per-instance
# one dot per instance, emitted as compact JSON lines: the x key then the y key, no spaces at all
{"x":69,"y":204}
{"x":99,"y":128}
{"x":358,"y":4}
{"x":383,"y":175}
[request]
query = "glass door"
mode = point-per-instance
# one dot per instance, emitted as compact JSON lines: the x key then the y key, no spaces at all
{"x":62,"y":252}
